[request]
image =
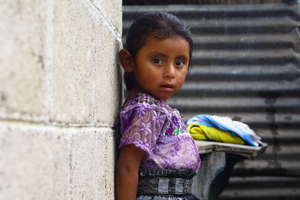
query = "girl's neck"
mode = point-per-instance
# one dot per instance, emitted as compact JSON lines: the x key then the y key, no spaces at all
{"x":134,"y":92}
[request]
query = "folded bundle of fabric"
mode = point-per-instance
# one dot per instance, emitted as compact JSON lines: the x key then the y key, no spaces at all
{"x":222,"y":129}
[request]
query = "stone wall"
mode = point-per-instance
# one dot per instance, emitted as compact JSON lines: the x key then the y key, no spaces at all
{"x":59,"y":95}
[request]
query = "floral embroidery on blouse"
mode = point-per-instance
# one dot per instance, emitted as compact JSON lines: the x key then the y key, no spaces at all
{"x":159,"y":130}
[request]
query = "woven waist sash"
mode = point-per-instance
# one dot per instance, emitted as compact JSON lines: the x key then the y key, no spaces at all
{"x":165,"y":181}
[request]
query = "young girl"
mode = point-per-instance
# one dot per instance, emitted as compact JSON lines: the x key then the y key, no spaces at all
{"x":157,"y":157}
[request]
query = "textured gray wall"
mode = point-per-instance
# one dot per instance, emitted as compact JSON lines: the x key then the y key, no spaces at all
{"x":59,"y":95}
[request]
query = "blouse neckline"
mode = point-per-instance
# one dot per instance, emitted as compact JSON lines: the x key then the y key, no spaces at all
{"x":141,"y":97}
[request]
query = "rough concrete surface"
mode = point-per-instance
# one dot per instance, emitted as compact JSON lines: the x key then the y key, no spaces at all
{"x":59,"y":61}
{"x":22,"y":77}
{"x":115,"y":18}
{"x":83,"y":75}
{"x":38,"y":162}
{"x":59,"y":96}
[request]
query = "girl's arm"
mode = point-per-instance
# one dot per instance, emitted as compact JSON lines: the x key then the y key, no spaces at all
{"x":127,"y":172}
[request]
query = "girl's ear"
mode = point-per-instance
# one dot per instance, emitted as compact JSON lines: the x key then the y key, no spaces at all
{"x":126,"y":60}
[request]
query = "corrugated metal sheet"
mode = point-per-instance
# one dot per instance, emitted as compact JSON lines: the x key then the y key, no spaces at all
{"x":167,"y":2}
{"x":247,"y":66}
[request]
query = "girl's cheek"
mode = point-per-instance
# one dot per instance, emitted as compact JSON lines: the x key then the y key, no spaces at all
{"x":183,"y":79}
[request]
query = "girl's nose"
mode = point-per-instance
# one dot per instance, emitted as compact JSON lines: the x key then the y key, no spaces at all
{"x":169,"y":71}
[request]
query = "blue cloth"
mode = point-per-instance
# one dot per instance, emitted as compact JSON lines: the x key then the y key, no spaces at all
{"x":224,"y":123}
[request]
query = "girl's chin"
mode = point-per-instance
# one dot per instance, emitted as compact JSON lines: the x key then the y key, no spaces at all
{"x":165,"y":96}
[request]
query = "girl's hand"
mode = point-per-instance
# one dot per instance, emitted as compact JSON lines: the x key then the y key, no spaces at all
{"x":127,"y":172}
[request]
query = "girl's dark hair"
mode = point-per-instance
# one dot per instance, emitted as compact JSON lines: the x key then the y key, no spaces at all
{"x":161,"y":25}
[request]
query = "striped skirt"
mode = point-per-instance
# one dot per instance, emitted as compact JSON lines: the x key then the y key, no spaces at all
{"x":165,"y":184}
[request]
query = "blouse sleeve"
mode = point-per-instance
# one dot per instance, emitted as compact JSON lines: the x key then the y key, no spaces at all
{"x":141,"y":127}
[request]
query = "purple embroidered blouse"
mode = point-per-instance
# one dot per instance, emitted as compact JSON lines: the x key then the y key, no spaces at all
{"x":155,"y":127}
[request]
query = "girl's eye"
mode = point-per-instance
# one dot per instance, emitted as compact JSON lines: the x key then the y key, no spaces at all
{"x":179,"y":63}
{"x":157,"y":60}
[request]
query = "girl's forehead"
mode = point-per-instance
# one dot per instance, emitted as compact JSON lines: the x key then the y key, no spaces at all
{"x":175,"y":44}
{"x":158,"y":39}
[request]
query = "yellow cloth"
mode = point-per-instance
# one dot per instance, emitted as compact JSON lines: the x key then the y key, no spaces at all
{"x":200,"y":132}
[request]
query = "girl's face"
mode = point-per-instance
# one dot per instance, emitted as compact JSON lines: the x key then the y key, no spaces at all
{"x":161,"y":66}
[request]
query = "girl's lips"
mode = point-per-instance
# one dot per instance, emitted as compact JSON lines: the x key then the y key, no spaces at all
{"x":167,"y":88}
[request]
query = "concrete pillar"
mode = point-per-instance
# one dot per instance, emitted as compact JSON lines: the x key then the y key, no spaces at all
{"x":59,"y":96}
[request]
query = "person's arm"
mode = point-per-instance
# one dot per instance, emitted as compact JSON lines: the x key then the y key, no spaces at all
{"x":127,"y":172}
